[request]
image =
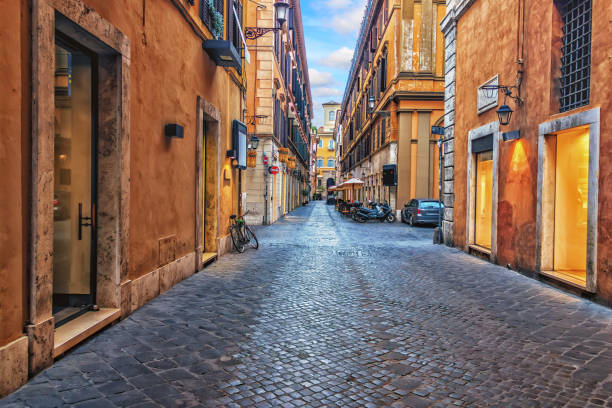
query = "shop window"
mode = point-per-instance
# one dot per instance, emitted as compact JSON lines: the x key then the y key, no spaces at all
{"x":571,"y":202}
{"x":483,"y":199}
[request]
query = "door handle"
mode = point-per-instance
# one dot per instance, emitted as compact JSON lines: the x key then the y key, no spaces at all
{"x":83,"y":221}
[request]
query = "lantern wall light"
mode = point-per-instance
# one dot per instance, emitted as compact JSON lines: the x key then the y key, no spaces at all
{"x":281,"y":10}
{"x":504,"y":113}
{"x":372,"y":105}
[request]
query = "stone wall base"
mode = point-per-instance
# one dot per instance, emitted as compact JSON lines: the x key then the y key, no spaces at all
{"x":225,"y":245}
{"x":13,"y":365}
{"x":40,"y":345}
{"x":151,"y":285}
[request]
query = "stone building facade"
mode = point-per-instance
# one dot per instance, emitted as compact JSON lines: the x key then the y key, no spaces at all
{"x":398,"y":64}
{"x":279,"y":111}
{"x":118,"y":119}
{"x":531,"y":194}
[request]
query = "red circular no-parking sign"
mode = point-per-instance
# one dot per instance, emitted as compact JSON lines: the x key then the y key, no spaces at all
{"x":273,"y":169}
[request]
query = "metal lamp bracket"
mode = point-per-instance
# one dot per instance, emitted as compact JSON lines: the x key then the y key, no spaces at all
{"x":252,"y":33}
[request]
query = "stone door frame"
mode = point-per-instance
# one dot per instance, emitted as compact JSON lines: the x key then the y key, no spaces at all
{"x":211,"y":135}
{"x":544,"y":223}
{"x":491,"y":128}
{"x":79,"y":22}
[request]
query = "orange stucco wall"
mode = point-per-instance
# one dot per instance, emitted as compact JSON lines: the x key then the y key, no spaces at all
{"x":12,"y":118}
{"x":496,"y":26}
{"x":169,"y":70}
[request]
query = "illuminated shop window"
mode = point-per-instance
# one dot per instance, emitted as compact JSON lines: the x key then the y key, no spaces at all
{"x":484,"y":199}
{"x":571,"y":201}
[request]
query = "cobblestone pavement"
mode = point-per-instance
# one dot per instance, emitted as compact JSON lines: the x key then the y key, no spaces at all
{"x":333,"y":313}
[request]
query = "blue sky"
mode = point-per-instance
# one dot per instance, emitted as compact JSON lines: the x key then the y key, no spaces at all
{"x":330,"y":28}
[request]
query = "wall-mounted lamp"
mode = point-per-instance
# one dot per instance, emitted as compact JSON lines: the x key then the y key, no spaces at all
{"x":504,"y":113}
{"x":253,"y":142}
{"x":281,"y":8}
{"x":174,"y":130}
{"x":514,"y":135}
{"x":372,"y":105}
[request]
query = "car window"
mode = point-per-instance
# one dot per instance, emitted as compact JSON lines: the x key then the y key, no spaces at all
{"x":429,"y":204}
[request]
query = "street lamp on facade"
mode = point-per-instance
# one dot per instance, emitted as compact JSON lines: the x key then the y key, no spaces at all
{"x":372,"y":105}
{"x":254,"y":142}
{"x":281,"y":9}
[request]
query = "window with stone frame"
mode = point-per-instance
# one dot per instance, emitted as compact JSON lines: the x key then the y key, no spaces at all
{"x":575,"y":80}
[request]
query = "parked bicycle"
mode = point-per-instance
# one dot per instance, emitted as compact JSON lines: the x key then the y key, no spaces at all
{"x":242,"y":235}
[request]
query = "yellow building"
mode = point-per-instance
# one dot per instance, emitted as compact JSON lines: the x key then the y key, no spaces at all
{"x":326,"y":147}
{"x":279,"y":110}
{"x":394,"y":95}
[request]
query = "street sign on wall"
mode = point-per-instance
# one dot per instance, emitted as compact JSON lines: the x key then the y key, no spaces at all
{"x":273,"y":169}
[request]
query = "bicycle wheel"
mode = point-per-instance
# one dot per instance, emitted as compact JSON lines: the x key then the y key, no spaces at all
{"x":252,"y":238}
{"x":237,"y":239}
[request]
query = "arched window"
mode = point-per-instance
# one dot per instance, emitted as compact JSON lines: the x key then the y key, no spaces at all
{"x":330,"y":162}
{"x":332,"y":115}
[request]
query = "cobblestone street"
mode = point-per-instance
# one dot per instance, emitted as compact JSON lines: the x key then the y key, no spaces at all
{"x":329,"y":312}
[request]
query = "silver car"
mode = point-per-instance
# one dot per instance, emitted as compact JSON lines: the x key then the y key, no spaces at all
{"x":422,"y":211}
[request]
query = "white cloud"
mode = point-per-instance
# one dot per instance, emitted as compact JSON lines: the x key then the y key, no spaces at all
{"x":348,"y":21}
{"x":323,"y":91}
{"x":319,"y":78}
{"x":337,"y":4}
{"x":340,"y":59}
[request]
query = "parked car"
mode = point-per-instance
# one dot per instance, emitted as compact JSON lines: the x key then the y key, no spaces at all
{"x":422,"y":211}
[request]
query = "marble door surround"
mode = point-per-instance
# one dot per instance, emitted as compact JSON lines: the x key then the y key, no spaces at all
{"x":82,"y":24}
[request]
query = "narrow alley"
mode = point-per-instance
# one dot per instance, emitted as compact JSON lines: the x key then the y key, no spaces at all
{"x":321,"y":316}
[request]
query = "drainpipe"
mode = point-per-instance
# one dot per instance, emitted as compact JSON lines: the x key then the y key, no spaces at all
{"x":265,"y":220}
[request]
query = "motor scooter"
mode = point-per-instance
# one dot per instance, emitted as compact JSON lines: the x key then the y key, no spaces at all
{"x":381,"y":213}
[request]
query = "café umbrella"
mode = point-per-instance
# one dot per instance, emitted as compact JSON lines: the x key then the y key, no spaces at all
{"x":351,"y":185}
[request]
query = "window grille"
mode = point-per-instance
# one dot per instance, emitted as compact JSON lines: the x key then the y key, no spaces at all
{"x":576,"y":59}
{"x":206,"y":14}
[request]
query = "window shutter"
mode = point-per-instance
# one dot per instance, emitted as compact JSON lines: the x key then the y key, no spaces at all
{"x":229,"y":18}
{"x":373,"y":39}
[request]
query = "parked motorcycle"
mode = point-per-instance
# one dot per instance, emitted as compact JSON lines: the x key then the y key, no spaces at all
{"x":382,"y":212}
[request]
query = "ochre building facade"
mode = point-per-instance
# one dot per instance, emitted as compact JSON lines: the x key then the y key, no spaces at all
{"x":398,"y":67}
{"x":326,"y":148}
{"x":116,"y":126}
{"x":279,"y":111}
{"x":531,"y":195}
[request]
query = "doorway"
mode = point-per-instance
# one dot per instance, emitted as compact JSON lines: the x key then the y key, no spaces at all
{"x":74,"y":169}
